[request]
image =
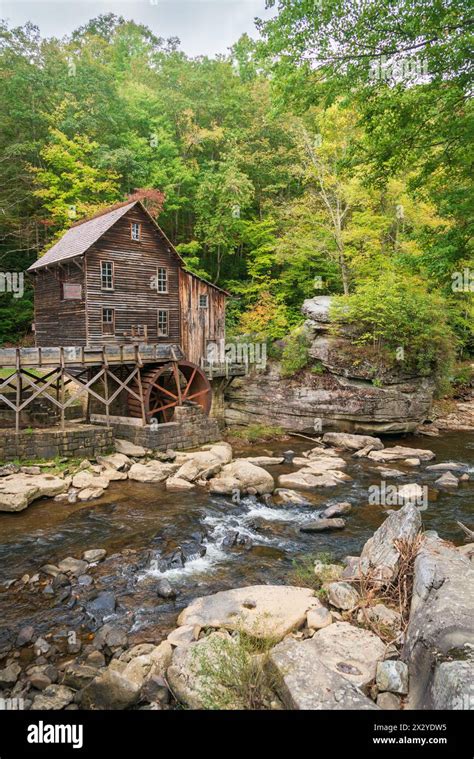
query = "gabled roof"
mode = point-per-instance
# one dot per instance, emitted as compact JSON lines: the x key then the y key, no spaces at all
{"x":83,"y":234}
{"x":79,"y":238}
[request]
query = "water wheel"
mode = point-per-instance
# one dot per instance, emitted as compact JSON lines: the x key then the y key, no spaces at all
{"x":170,"y":385}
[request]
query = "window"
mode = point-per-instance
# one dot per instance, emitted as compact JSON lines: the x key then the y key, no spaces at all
{"x":162,"y":280}
{"x":106,"y":275}
{"x":163,"y":323}
{"x":203,"y":301}
{"x":136,"y":231}
{"x":108,"y":321}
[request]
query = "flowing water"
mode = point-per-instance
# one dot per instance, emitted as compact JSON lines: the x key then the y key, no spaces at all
{"x":200,"y":543}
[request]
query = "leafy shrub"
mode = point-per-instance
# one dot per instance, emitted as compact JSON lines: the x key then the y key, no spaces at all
{"x":256,"y":433}
{"x":394,"y":313}
{"x":295,"y":355}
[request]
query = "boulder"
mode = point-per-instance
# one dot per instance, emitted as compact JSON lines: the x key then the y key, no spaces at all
{"x":342,"y":595}
{"x":54,"y":697}
{"x":188,"y":675}
{"x":323,"y":525}
{"x":412,"y":462}
{"x":73,"y":566}
{"x":320,"y":464}
{"x":337,"y":509}
{"x":399,"y":452}
{"x":117,"y":461}
{"x":352,"y":442}
{"x":447,"y":466}
{"x":350,"y":651}
{"x":392,"y":676}
{"x":380,"y":555}
{"x":306,"y":479}
{"x":441,"y":618}
{"x":283,"y":495}
{"x":153,"y":471}
{"x":386,"y":473}
{"x":447,"y":480}
{"x":110,"y":690}
{"x":86,"y":479}
{"x":316,"y":619}
{"x":77,"y":676}
{"x":90,"y":494}
{"x":265,"y":460}
{"x":200,"y":466}
{"x":102,"y":606}
{"x":111,"y":637}
{"x":411,"y":493}
{"x":129,"y":449}
{"x":177,"y":484}
{"x":222,"y":450}
{"x":244,"y":477}
{"x":9,"y":675}
{"x":304,"y":682}
{"x":184,"y":635}
{"x":17,"y":491}
{"x":452,"y":687}
{"x":263,"y":611}
{"x":94,"y":554}
{"x":164,"y":589}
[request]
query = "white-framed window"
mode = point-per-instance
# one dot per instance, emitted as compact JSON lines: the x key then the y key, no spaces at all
{"x":107,"y":275}
{"x":204,"y":301}
{"x":162,"y":279}
{"x":163,"y":322}
{"x":108,"y":321}
{"x":135,"y":231}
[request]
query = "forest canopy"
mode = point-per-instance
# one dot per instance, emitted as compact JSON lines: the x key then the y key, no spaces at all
{"x":332,"y":152}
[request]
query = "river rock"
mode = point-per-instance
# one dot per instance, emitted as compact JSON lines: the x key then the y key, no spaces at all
{"x":342,"y":595}
{"x":441,"y":618}
{"x":352,"y":652}
{"x":222,"y":450}
{"x":9,"y":675}
{"x":184,"y":635}
{"x":17,"y":491}
{"x":117,"y":461}
{"x":7,"y":469}
{"x":77,"y":676}
{"x":447,"y":480}
{"x":244,"y":477}
{"x":392,"y":676}
{"x":73,"y":566}
{"x":452,"y":686}
{"x":39,"y":680}
{"x":187,"y":674}
{"x":411,"y":493}
{"x":316,"y":619}
{"x":110,"y":690}
{"x":113,"y":475}
{"x":306,"y":479}
{"x":25,"y":636}
{"x":129,"y":449}
{"x":323,"y":525}
{"x":265,"y":460}
{"x":90,"y":494}
{"x":283,"y":495}
{"x":86,"y":479}
{"x":327,"y":572}
{"x":352,"y":442}
{"x":263,"y":611}
{"x":386,"y":473}
{"x":200,"y":466}
{"x":94,"y":555}
{"x":447,"y":466}
{"x":337,"y":509}
{"x":399,"y":452}
{"x":388,"y":701}
{"x":178,"y":484}
{"x":381,"y":616}
{"x":380,"y":556}
{"x":102,"y":606}
{"x":153,"y":471}
{"x":320,"y":464}
{"x":164,"y":589}
{"x":304,"y":682}
{"x":54,"y":697}
{"x":110,"y":636}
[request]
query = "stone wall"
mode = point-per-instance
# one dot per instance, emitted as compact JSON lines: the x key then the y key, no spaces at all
{"x":79,"y":441}
{"x":190,"y":428}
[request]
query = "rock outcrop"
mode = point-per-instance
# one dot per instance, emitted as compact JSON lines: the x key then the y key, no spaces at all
{"x":344,"y":398}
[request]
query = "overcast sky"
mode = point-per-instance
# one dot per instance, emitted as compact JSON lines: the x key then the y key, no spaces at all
{"x":205,"y":27}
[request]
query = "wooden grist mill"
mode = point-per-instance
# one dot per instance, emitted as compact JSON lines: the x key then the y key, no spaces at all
{"x":119,"y":320}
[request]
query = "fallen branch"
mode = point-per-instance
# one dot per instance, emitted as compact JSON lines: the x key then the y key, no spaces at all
{"x":469,"y":533}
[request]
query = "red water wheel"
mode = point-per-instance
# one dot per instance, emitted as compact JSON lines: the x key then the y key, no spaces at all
{"x":174,"y":384}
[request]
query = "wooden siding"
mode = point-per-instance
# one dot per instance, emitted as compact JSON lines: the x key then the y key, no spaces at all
{"x":200,"y":325}
{"x":133,"y":298}
{"x":59,"y":322}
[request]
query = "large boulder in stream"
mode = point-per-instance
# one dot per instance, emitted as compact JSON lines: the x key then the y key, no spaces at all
{"x":153,"y":471}
{"x":17,"y":491}
{"x":343,"y":398}
{"x":380,"y":556}
{"x":244,"y":477}
{"x":263,"y":611}
{"x":439,"y":640}
{"x":352,"y":442}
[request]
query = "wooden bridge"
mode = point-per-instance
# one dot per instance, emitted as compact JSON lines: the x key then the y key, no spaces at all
{"x":155,"y":378}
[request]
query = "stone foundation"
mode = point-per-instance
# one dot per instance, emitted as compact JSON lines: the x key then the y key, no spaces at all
{"x":189,"y":429}
{"x":79,"y":441}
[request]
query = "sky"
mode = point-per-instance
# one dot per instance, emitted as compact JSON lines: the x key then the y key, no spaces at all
{"x":205,"y":27}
